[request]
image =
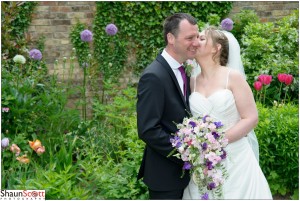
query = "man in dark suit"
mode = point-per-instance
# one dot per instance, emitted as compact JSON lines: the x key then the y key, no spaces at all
{"x":163,"y":101}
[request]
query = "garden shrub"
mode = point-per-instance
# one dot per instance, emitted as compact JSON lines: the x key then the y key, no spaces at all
{"x":277,"y":133}
{"x":272,"y":48}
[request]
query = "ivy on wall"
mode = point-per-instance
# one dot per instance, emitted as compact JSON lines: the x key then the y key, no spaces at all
{"x":140,"y":35}
{"x":15,"y":20}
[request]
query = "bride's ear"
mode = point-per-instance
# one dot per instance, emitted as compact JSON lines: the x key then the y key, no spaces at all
{"x":217,"y":48}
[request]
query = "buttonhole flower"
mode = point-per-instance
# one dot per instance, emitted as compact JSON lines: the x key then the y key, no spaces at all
{"x":35,"y":54}
{"x":20,"y":59}
{"x":111,"y":29}
{"x":227,"y":24}
{"x":86,"y":35}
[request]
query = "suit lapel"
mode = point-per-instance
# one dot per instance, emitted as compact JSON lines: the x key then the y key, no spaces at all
{"x":168,"y":68}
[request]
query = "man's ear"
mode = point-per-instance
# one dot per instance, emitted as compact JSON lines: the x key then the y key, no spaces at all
{"x":171,"y":38}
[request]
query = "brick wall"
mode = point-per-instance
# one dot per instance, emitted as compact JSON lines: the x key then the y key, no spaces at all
{"x":268,"y":11}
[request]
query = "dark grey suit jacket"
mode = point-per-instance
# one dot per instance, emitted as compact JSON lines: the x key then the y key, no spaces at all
{"x":160,"y":106}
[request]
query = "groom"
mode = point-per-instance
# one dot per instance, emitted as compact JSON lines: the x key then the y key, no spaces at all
{"x":163,"y":92}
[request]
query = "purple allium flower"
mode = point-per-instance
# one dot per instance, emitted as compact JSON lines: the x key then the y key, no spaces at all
{"x":111,"y":29}
{"x":193,"y":124}
{"x":227,"y":24}
{"x":86,"y":35}
{"x":216,"y":135}
{"x":204,"y":146}
{"x":223,"y":156}
{"x":4,"y":143}
{"x":204,"y":196}
{"x":187,"y":166}
{"x":218,"y":124}
{"x":209,"y":165}
{"x":211,"y":186}
{"x":35,"y":54}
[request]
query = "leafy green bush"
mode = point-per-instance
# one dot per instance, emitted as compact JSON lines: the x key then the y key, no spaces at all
{"x":272,"y":48}
{"x":277,"y":133}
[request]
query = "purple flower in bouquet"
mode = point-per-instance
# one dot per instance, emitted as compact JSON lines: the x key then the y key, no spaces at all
{"x":187,"y":166}
{"x":204,"y":146}
{"x":111,"y":29}
{"x":193,"y":124}
{"x":223,"y":156}
{"x":211,"y":186}
{"x":86,"y":36}
{"x":209,"y":165}
{"x":227,"y":24}
{"x":176,"y":141}
{"x":35,"y":54}
{"x":204,"y":196}
{"x":216,"y":135}
{"x":204,"y":118}
{"x":218,"y":124}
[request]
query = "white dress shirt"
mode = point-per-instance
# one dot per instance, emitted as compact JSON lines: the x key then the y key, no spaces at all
{"x":174,"y":65}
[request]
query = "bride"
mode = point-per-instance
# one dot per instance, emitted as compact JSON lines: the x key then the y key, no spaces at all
{"x":223,"y":93}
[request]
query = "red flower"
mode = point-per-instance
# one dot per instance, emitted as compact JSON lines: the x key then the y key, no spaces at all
{"x":288,"y":79}
{"x":265,"y":79}
{"x":258,"y":85}
{"x":281,"y":77}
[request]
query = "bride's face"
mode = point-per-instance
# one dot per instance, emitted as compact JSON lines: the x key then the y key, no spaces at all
{"x":205,"y":46}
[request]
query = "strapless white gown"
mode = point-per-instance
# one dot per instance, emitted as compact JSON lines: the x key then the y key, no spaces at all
{"x":245,"y":177}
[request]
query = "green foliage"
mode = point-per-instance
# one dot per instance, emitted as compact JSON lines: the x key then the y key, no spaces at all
{"x":277,"y":134}
{"x":140,"y":30}
{"x":272,"y":48}
{"x":15,"y":19}
{"x":242,"y":19}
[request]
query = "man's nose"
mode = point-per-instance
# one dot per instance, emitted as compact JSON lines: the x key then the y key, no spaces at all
{"x":196,"y":42}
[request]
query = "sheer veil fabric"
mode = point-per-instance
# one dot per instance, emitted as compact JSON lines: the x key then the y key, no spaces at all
{"x":234,"y":62}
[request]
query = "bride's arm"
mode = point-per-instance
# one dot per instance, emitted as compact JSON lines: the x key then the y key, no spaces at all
{"x":246,"y":106}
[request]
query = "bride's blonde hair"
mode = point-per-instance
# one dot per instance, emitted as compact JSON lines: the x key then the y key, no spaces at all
{"x":218,"y":37}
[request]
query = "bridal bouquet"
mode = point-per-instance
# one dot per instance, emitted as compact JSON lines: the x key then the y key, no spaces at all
{"x":200,"y":143}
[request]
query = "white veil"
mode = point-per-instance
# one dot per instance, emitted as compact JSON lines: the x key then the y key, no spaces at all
{"x":234,"y":62}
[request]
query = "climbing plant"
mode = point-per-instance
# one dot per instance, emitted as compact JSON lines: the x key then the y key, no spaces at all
{"x":139,"y":36}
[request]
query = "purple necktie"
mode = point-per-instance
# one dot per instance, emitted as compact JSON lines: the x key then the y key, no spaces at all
{"x":183,"y":75}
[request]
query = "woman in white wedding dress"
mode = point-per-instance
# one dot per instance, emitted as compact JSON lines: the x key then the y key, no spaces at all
{"x":224,"y":94}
